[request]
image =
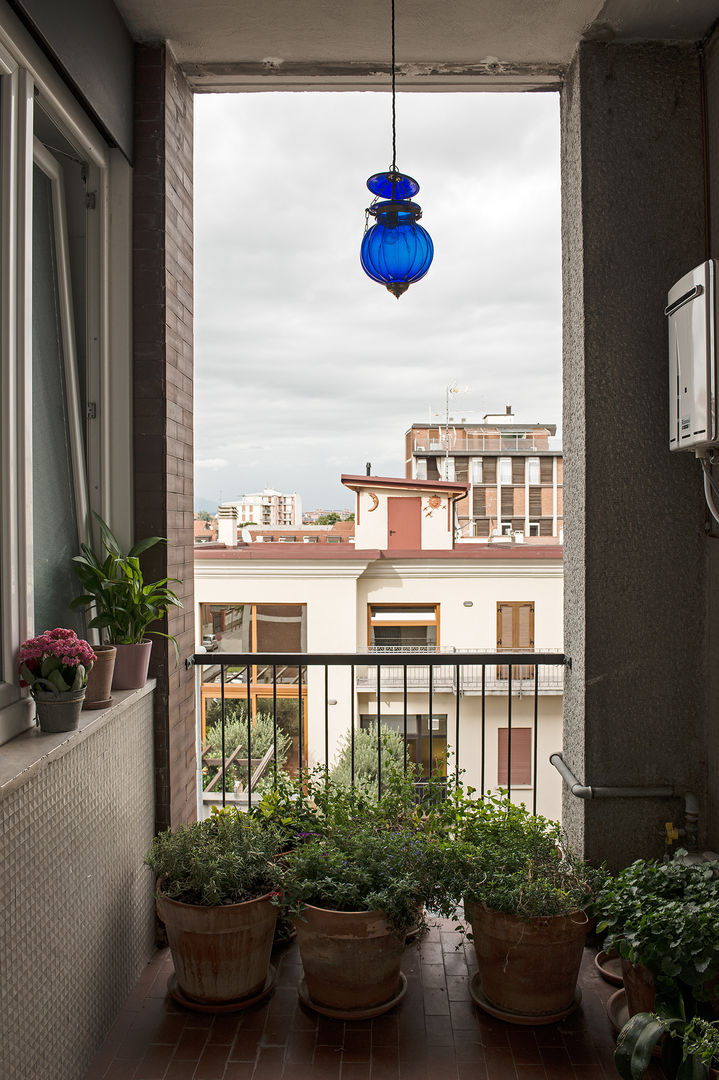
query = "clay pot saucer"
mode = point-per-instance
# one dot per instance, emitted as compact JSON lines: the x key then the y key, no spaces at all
{"x":222,"y":1006}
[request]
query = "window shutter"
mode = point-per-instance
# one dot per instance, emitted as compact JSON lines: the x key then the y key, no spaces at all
{"x":521,"y":757}
{"x":479,"y":502}
{"x":517,"y":470}
{"x":490,"y":470}
{"x":545,"y":470}
{"x":535,"y":502}
{"x":507,"y":503}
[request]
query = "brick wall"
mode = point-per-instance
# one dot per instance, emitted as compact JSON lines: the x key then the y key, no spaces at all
{"x":162,"y":339}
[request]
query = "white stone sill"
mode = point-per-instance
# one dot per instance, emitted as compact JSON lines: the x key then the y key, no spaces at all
{"x":28,"y":753}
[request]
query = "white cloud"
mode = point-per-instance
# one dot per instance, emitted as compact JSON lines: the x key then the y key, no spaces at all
{"x":304,"y":367}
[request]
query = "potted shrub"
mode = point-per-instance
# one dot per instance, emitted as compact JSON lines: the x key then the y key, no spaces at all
{"x":661,"y":917}
{"x":55,"y":666}
{"x":215,"y":897}
{"x":125,"y":605}
{"x":356,"y":887}
{"x":526,"y":898}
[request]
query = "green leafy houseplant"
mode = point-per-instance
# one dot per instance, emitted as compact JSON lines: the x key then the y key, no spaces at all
{"x":114,"y":584}
{"x":689,"y":1042}
{"x":664,"y":915}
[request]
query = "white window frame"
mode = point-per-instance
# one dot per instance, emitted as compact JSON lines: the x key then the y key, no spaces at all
{"x":28,"y":81}
{"x":533,"y":471}
{"x":504,"y":467}
{"x":420,"y":468}
{"x":476,"y":466}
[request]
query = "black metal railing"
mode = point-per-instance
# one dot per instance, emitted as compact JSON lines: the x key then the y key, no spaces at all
{"x":288,"y":678}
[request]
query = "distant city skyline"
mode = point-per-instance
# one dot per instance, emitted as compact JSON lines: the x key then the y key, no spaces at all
{"x":307,"y":369}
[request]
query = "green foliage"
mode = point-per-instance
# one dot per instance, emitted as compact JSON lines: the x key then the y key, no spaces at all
{"x":114,"y":583}
{"x":329,"y":519}
{"x":261,"y":737}
{"x":225,"y":859}
{"x":505,"y":858}
{"x":365,"y":755}
{"x":664,"y":915}
{"x":361,"y":853}
{"x":204,"y":515}
{"x":689,"y":1041}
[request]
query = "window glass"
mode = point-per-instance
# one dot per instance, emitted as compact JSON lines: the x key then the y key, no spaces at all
{"x":476,"y":470}
{"x":396,"y":627}
{"x":505,"y":470}
{"x":420,"y":468}
{"x":55,"y":528}
{"x":533,"y":470}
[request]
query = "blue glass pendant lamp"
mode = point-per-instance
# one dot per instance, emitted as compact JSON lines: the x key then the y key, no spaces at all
{"x":396,"y":251}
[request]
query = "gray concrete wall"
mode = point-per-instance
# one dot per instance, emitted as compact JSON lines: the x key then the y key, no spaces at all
{"x":711,"y":735}
{"x":635,"y":562}
{"x":77,"y":901}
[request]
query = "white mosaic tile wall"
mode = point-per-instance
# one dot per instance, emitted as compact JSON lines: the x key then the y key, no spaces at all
{"x":76,"y":904}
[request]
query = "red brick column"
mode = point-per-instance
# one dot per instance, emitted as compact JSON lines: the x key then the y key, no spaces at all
{"x":162,"y":388}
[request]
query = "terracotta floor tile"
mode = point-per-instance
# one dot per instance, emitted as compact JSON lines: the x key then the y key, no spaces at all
{"x":357,"y":1045}
{"x":467,"y":1052}
{"x":239,"y":1070}
{"x":328,"y":1057}
{"x":270,"y":1062}
{"x":385,"y":1072}
{"x":471,"y":1071}
{"x":212,"y":1062}
{"x":436,"y":1002}
{"x":385,"y":1031}
{"x":276,"y":1031}
{"x":154,"y":1064}
{"x":433,"y":975}
{"x":455,"y":964}
{"x":191,"y":1044}
{"x":330,"y":1032}
{"x":532,"y":1072}
{"x":438,"y":1031}
{"x":181,"y":1070}
{"x":431,"y":952}
{"x":300,"y":1047}
{"x":246,"y":1044}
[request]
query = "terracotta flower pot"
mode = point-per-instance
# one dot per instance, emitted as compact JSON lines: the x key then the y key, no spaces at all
{"x":351,"y":960}
{"x":131,"y":666}
{"x":58,"y":712}
{"x":99,"y":680}
{"x":528,"y":968}
{"x":221,"y":954}
{"x":639,"y":988}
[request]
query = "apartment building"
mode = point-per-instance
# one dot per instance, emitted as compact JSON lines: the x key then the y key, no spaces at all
{"x":405,"y":586}
{"x":514,"y":476}
{"x":268,"y":507}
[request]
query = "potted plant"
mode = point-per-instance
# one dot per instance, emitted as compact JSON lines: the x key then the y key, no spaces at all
{"x":661,"y":917}
{"x":55,"y":666}
{"x":125,"y":605}
{"x":356,"y":887}
{"x":526,"y":898}
{"x":688,"y":1043}
{"x":215,"y":897}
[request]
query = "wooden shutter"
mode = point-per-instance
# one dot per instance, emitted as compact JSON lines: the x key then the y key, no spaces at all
{"x":535,"y":503}
{"x":489,"y":470}
{"x":515,"y":630}
{"x":479,"y":502}
{"x":521,"y":757}
{"x":517,"y":470}
{"x":507,"y":503}
{"x":546,"y":470}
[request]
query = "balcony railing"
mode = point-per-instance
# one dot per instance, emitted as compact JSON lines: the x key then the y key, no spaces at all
{"x":455,"y":711}
{"x":480,"y":443}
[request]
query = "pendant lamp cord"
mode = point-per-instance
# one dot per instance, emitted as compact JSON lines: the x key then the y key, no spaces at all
{"x":394,"y":114}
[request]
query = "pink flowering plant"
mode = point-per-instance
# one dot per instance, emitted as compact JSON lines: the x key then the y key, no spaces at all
{"x":56,"y":662}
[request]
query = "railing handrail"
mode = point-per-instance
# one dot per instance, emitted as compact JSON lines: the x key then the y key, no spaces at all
{"x":344,"y":659}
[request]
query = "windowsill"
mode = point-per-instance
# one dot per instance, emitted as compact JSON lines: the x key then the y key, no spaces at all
{"x":30,"y":751}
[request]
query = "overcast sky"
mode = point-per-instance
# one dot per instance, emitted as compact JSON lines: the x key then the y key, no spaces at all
{"x":305,"y":367}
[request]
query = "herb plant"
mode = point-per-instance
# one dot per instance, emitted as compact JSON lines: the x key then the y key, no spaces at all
{"x":262,"y":738}
{"x":664,"y":915}
{"x":511,"y":861}
{"x":225,"y":859}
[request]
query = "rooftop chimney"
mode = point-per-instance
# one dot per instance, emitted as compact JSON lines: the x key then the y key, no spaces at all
{"x":227,"y":525}
{"x":508,"y":410}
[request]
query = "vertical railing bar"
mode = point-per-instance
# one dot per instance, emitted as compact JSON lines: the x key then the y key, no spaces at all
{"x":404,"y":713}
{"x":458,"y":691}
{"x":222,"y":721}
{"x":379,"y":736}
{"x":534,"y":736}
{"x":484,"y":725}
{"x":327,"y":723}
{"x":300,"y":746}
{"x":352,"y":727}
{"x":431,"y":711}
{"x":509,"y":734}
{"x":274,"y":716}
{"x":249,"y":742}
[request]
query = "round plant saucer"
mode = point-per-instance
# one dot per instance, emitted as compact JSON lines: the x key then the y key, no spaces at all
{"x":98,"y":704}
{"x":351,"y":1014}
{"x":475,"y":989}
{"x":221,"y":1006}
{"x":618,"y":1013}
{"x":609,"y":966}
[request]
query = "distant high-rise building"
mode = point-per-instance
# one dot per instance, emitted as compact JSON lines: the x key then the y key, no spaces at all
{"x":514,"y":476}
{"x":268,"y":507}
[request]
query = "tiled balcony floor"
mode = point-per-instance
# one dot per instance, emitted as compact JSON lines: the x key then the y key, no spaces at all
{"x":435,"y":1033}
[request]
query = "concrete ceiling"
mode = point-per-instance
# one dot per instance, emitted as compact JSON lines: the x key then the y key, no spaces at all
{"x":437,"y":34}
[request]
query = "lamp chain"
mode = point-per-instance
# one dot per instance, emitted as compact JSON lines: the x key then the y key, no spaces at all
{"x":394,"y":114}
